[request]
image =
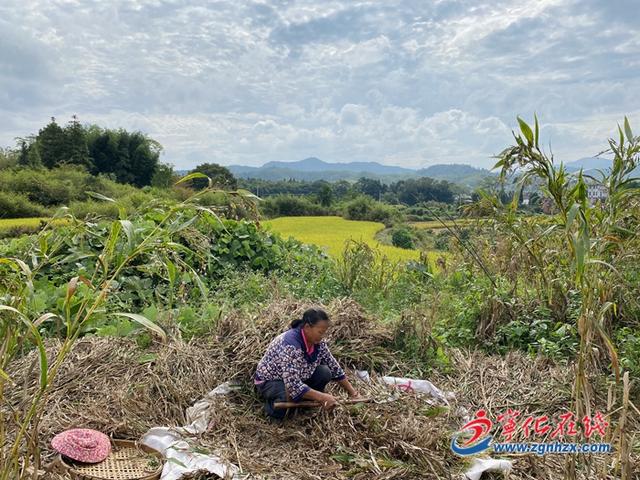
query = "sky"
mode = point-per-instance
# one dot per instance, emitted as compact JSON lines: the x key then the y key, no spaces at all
{"x":411,"y":83}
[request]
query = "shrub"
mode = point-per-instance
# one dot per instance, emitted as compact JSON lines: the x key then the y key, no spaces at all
{"x":365,"y":208}
{"x":62,"y":186}
{"x":104,"y":185}
{"x":538,"y":334}
{"x":135,"y":199}
{"x":429,"y":211}
{"x":39,"y":186}
{"x":291,"y":206}
{"x":442,"y":240}
{"x":92,"y":208}
{"x":14,"y":205}
{"x":402,"y":238}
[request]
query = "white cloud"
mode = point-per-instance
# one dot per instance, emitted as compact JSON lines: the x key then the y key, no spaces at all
{"x":407,"y":82}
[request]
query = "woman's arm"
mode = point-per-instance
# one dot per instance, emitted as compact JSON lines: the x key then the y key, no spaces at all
{"x":336,"y":371}
{"x":327,"y":400}
{"x":290,"y":364}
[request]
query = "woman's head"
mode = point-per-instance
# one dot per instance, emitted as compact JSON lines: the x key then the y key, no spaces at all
{"x":314,"y":322}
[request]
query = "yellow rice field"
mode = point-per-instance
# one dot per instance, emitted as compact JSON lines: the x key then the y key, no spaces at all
{"x":7,"y":224}
{"x":436,"y":225}
{"x":331,"y":233}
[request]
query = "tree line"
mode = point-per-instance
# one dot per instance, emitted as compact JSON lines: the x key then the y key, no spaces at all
{"x":127,"y":157}
{"x":134,"y":158}
{"x":408,"y":192}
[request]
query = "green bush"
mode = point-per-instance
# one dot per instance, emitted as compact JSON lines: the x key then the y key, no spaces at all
{"x":242,"y":244}
{"x":537,"y":334}
{"x":429,"y":211}
{"x":291,"y":206}
{"x":93,"y":209}
{"x":61,"y":186}
{"x":365,"y":208}
{"x":401,"y":237}
{"x":15,"y":205}
{"x":38,"y":185}
{"x":442,"y":240}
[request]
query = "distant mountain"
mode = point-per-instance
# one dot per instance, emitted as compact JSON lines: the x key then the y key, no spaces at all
{"x":312,"y":169}
{"x":275,"y":173}
{"x":588,"y":163}
{"x":313,"y":164}
{"x":459,"y":173}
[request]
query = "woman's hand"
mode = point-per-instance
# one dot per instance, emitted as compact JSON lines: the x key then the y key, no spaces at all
{"x":328,"y":402}
{"x":354,"y":394}
{"x":347,"y":387}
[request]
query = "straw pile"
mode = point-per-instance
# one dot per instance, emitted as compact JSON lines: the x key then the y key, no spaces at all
{"x":113,"y":386}
{"x":357,"y":339}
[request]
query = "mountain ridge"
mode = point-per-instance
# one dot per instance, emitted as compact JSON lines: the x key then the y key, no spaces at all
{"x":314,"y":164}
{"x":588,"y":163}
{"x":312,"y":168}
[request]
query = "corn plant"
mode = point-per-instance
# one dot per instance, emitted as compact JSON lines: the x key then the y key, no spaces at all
{"x":596,"y":237}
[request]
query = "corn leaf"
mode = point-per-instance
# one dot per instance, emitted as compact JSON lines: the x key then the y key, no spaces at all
{"x":145,"y":322}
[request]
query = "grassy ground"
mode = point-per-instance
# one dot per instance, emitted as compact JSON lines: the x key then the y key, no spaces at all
{"x":332,"y":233}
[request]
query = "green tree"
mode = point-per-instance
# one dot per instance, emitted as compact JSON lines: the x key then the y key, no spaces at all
{"x":122,"y":164}
{"x":325,"y":195}
{"x":220,"y":177}
{"x":129,"y":157}
{"x":8,"y":158}
{"x":103,"y":149}
{"x":342,"y":189}
{"x":27,"y":153}
{"x":51,"y":144}
{"x":76,"y":149}
{"x":164,"y":176}
{"x":33,"y":157}
{"x":370,"y":187}
{"x":144,"y":155}
{"x":424,"y":189}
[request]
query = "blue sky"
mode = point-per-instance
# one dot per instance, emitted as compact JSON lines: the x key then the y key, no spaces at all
{"x":410,"y":83}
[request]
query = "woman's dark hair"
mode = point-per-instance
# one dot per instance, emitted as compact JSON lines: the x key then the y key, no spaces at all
{"x":310,"y":317}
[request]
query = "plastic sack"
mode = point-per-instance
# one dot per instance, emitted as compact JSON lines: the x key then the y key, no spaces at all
{"x":180,"y":458}
{"x":481,"y":465}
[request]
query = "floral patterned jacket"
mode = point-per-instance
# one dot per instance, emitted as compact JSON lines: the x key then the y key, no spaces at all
{"x":288,"y":359}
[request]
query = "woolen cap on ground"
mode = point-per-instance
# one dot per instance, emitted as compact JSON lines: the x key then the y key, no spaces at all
{"x":82,"y":445}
